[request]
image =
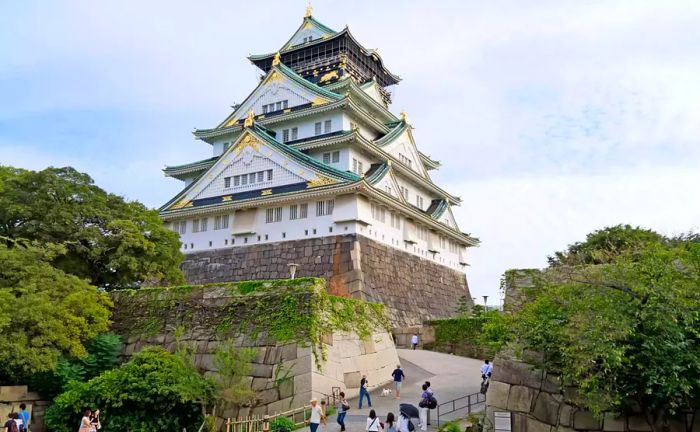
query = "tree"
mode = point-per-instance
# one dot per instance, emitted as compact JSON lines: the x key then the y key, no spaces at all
{"x":606,"y":245}
{"x":44,"y":313}
{"x":154,"y":391}
{"x":625,"y":334}
{"x":102,"y":354}
{"x":109,"y":241}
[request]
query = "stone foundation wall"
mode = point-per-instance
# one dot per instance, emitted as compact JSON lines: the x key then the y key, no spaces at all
{"x":283,"y":375}
{"x":537,"y":404}
{"x":412,"y":288}
{"x":12,"y":396}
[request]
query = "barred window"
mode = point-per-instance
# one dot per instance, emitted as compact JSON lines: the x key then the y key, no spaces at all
{"x":203,"y":224}
{"x":269,"y":175}
{"x":273,"y":215}
{"x":324,"y":208}
{"x":336,"y":157}
{"x":227,"y":182}
{"x":317,"y":128}
{"x":183,"y":227}
{"x":195,"y":225}
{"x":293,"y":211}
{"x":327,"y":126}
{"x":295,"y":133}
{"x":285,"y":135}
{"x":236,"y":180}
{"x":326,"y":158}
{"x":303,"y":210}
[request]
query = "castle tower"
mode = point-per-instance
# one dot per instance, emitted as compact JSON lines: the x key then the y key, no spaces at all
{"x":314,"y":169}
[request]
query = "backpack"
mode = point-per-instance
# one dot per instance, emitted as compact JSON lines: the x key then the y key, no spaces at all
{"x":411,"y":428}
{"x":432,"y":402}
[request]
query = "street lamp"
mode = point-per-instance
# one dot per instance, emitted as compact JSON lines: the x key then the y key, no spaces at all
{"x":293,"y":269}
{"x":485,"y":297}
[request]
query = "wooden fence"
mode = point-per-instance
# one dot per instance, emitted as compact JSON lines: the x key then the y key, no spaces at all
{"x":261,"y":423}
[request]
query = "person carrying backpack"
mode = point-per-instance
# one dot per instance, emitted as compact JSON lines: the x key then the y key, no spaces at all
{"x":11,"y":424}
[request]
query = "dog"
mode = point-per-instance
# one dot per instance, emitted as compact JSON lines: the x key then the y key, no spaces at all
{"x":386,"y":392}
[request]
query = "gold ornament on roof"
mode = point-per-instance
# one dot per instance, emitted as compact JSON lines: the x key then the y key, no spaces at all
{"x":403,"y":116}
{"x":276,"y":59}
{"x":329,"y":76}
{"x":181,"y":204}
{"x":320,"y":181}
{"x":249,"y":119}
{"x":308,"y":10}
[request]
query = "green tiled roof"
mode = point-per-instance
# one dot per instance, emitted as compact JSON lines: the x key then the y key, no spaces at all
{"x":399,"y":128}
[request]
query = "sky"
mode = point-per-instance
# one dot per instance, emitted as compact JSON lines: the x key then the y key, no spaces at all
{"x":551,"y":118}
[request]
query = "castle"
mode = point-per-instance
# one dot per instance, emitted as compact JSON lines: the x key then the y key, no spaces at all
{"x":313,"y":169}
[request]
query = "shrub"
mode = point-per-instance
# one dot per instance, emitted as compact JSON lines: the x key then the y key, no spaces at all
{"x":282,"y":424}
{"x":155,"y":391}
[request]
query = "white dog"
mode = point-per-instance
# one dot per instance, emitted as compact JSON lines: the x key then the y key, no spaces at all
{"x":386,"y":392}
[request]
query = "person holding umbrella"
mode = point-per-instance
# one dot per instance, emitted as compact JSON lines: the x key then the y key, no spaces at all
{"x":406,"y":413}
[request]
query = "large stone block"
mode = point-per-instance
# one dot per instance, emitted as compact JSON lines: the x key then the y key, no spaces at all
{"x":614,"y":423}
{"x":520,"y":398}
{"x":537,"y":426}
{"x":546,"y":409}
{"x":497,"y":396}
{"x":566,"y":415}
{"x":261,"y":370}
{"x":517,"y":373}
{"x":585,"y":420}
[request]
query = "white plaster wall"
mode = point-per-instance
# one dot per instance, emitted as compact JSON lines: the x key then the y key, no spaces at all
{"x":307,"y":125}
{"x":349,"y":120}
{"x":351,"y":215}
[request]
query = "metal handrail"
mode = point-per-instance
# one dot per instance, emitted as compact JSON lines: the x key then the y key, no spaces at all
{"x":471,"y":401}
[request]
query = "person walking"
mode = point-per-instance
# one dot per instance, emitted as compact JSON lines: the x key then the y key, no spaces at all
{"x":403,"y":422}
{"x":373,"y":422}
{"x":10,"y":424}
{"x":95,"y":421}
{"x":414,"y":340}
{"x":390,"y":425}
{"x":364,"y":392}
{"x":343,"y":408}
{"x":316,"y":415}
{"x":24,"y":415}
{"x":423,"y":408}
{"x":398,"y":379}
{"x":486,"y":370}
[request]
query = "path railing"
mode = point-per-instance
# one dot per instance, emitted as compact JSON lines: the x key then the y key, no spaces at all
{"x":472,"y":402}
{"x":261,"y":423}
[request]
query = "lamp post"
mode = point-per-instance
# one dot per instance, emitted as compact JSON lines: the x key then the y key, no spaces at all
{"x":485,"y":297}
{"x":293,"y":269}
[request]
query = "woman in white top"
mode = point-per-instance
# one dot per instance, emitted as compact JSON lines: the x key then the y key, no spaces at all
{"x":373,"y":422}
{"x":85,"y":425}
{"x":316,"y":415}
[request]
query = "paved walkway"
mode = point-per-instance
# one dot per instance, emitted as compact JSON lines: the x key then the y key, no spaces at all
{"x":450,"y":377}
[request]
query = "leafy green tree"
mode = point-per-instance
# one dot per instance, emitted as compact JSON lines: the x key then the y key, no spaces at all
{"x":45,"y":314}
{"x":102,"y":354}
{"x":155,"y":391}
{"x":606,"y":245}
{"x":625,"y":334}
{"x":109,"y":241}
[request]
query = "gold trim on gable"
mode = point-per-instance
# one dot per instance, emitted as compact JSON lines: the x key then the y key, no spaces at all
{"x":181,"y":204}
{"x":318,"y":101}
{"x":226,"y":198}
{"x":274,"y":76}
{"x":321,"y":181}
{"x":266,"y":192}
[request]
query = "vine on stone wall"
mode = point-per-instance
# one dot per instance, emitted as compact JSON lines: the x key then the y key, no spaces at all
{"x":283,"y":311}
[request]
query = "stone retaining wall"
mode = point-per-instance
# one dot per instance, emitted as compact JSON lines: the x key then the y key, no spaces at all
{"x":413,"y":289}
{"x":283,"y":375}
{"x":537,"y":404}
{"x":12,"y":396}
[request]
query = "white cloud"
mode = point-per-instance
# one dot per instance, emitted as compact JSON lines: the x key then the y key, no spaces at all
{"x":523,"y":220}
{"x":551,"y":118}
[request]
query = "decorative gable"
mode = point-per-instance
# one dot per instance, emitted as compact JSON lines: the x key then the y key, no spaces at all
{"x":279,"y":90}
{"x":252,"y":167}
{"x":309,"y":31}
{"x":373,"y":91}
{"x":404,"y":150}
